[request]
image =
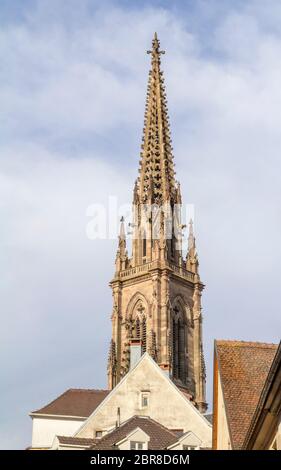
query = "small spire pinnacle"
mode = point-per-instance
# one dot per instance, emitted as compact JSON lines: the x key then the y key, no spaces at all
{"x":191,"y":238}
{"x":122,"y":255}
{"x":191,"y":257}
{"x":122,"y":235}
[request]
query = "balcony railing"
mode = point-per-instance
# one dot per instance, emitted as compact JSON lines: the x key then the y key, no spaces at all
{"x":147,"y":267}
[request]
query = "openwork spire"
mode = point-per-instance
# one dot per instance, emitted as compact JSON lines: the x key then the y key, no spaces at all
{"x":156,"y":183}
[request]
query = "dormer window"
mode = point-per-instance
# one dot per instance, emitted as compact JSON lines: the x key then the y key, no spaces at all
{"x":134,"y":445}
{"x":98,"y":434}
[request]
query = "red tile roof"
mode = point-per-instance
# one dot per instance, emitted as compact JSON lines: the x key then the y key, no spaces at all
{"x":75,"y":402}
{"x":243,"y":368}
{"x":160,"y":436}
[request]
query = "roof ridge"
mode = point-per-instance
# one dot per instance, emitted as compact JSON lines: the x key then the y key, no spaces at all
{"x":88,"y":390}
{"x":51,"y":402}
{"x":75,"y":395}
{"x":75,"y":437}
{"x":222,"y":342}
{"x":161,"y":425}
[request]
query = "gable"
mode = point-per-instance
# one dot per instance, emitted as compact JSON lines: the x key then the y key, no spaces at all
{"x":190,"y":439}
{"x":137,"y":435}
{"x":166,"y":404}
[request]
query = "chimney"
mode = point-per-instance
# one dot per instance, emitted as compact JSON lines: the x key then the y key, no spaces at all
{"x":135,"y":352}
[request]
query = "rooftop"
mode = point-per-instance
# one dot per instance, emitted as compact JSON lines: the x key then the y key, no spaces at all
{"x":243,"y":367}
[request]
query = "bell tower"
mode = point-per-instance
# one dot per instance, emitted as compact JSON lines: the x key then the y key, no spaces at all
{"x":156,"y":291}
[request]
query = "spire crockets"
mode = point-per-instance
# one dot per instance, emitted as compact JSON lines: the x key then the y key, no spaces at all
{"x":156,"y":183}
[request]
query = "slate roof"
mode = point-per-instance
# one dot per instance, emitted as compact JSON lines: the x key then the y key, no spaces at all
{"x":75,"y":402}
{"x":160,"y":436}
{"x":243,"y":367}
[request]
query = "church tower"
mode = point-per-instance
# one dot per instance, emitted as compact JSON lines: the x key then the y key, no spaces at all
{"x":156,"y":291}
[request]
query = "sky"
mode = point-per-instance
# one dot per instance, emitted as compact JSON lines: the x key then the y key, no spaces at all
{"x":72,"y":91}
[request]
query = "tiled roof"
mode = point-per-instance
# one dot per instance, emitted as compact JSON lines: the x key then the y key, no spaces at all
{"x":75,"y":402}
{"x":267,"y":415}
{"x":160,"y":436}
{"x":243,"y":370}
{"x":79,"y":441}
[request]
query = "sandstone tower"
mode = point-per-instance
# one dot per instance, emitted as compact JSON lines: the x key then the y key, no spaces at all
{"x":156,"y":291}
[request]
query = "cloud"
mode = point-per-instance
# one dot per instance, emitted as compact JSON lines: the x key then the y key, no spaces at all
{"x":73,"y":86}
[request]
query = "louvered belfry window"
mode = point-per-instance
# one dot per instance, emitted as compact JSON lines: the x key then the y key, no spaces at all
{"x":178,"y":329}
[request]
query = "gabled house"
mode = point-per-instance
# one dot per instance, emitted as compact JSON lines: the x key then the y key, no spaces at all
{"x":64,"y":415}
{"x":146,"y":392}
{"x":138,"y":433}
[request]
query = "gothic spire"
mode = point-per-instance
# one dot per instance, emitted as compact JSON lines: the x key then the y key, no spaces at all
{"x":156,"y":183}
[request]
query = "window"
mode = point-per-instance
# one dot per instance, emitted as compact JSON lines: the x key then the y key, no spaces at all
{"x":179,"y":346}
{"x":134,"y":445}
{"x":144,"y":246}
{"x":144,"y":399}
{"x":98,"y":434}
{"x":184,"y":447}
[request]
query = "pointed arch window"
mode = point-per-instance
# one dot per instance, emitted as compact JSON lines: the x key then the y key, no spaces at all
{"x":140,"y":325}
{"x":144,"y":245}
{"x":143,"y":333}
{"x":179,"y":346}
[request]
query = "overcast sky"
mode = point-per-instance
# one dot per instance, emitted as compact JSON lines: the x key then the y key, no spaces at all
{"x":73,"y":84}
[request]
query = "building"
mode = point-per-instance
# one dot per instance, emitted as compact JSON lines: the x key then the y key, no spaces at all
{"x":247,"y":396}
{"x":81,"y":418}
{"x":156,"y":369}
{"x":138,"y":433}
{"x":64,"y":415}
{"x":142,"y":393}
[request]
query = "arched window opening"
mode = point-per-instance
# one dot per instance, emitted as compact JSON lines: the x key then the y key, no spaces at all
{"x":144,"y":245}
{"x":178,"y":347}
{"x":137,"y":328}
{"x":143,"y":334}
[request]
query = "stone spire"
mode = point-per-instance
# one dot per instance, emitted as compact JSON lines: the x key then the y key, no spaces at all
{"x":156,"y":183}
